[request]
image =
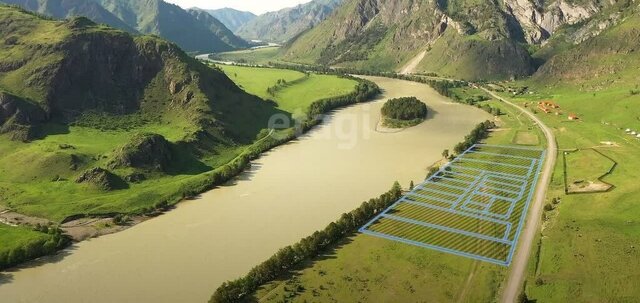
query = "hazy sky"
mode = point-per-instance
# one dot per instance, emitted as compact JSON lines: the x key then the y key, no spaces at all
{"x":255,"y":6}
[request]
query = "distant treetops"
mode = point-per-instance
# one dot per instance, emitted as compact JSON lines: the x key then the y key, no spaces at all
{"x":404,"y":112}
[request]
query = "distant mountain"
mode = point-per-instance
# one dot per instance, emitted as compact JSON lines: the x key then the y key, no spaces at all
{"x":192,"y":32}
{"x":463,"y":38}
{"x":216,"y":27}
{"x":231,"y":18}
{"x":63,"y":9}
{"x":173,"y":23}
{"x":287,"y":23}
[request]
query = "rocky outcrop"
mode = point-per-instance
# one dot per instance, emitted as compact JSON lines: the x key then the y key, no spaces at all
{"x":145,"y":151}
{"x":101,"y":179}
{"x":540,"y":20}
{"x":19,"y":118}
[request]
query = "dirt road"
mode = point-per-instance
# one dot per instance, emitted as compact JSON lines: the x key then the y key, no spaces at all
{"x":411,"y":66}
{"x":518,"y":271}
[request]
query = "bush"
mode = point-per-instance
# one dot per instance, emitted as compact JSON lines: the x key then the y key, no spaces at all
{"x":407,"y":108}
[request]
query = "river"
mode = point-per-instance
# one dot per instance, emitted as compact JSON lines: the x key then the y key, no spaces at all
{"x":184,"y":255}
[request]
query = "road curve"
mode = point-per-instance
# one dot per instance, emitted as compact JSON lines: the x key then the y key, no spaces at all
{"x":515,"y":278}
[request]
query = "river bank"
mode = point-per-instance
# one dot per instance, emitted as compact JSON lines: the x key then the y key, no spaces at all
{"x":221,"y":234}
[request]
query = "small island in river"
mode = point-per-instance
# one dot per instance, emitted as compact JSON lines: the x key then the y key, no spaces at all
{"x":403,"y":112}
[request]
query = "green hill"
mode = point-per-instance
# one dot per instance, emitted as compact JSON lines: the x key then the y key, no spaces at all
{"x":462,"y":38}
{"x":72,"y":8}
{"x":282,"y":25}
{"x":91,"y":109}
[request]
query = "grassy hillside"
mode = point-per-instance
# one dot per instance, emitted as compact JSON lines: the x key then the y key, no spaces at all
{"x":63,"y":115}
{"x":73,"y":8}
{"x":383,"y":36}
{"x":192,"y":31}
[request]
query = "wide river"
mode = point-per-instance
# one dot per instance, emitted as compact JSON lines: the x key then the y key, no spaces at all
{"x":184,"y":255}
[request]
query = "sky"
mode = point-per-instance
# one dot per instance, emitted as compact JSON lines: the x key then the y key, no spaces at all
{"x":255,"y":6}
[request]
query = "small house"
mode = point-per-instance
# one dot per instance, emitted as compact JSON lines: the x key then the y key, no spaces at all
{"x":573,"y":117}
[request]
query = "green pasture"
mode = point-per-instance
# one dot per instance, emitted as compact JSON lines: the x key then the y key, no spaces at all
{"x":252,"y":56}
{"x":293,"y":98}
{"x":589,"y":246}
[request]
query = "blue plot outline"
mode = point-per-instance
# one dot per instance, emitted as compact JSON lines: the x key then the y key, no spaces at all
{"x":483,"y":176}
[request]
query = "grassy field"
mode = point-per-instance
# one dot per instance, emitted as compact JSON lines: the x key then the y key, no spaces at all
{"x":584,"y":168}
{"x":252,"y":56}
{"x":370,"y":269}
{"x":294,"y":98}
{"x":15,"y":237}
{"x":366,"y":268}
{"x":589,"y":246}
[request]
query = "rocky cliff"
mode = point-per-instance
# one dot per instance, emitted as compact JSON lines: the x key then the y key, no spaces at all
{"x":462,"y":38}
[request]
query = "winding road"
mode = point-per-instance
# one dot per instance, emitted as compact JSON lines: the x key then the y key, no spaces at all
{"x":518,"y":271}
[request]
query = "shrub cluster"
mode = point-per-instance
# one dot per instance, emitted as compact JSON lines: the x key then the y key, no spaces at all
{"x":406,"y":108}
{"x":32,"y":250}
{"x":289,"y":257}
{"x":480,"y":132}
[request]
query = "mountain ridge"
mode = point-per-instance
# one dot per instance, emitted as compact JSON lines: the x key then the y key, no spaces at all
{"x":461,"y":38}
{"x":191,"y":32}
{"x":282,"y":25}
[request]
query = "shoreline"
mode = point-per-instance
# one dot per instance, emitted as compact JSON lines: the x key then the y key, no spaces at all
{"x":81,"y":227}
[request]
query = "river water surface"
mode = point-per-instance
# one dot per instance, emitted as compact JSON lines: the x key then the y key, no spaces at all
{"x":184,"y":255}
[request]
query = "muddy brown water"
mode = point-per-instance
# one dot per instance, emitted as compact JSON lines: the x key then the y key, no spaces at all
{"x":184,"y":255}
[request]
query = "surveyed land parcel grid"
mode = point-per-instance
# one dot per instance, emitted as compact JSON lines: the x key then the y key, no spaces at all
{"x":475,"y":206}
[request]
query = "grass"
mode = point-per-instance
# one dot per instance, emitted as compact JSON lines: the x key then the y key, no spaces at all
{"x":367,"y":269}
{"x":292,"y":98}
{"x":526,"y":138}
{"x":589,"y":250}
{"x":253,"y":56}
{"x":16,"y":237}
{"x":586,"y":166}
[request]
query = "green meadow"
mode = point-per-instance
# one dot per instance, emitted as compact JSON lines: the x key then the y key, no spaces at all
{"x":589,"y":249}
{"x":299,"y":91}
{"x":252,"y":56}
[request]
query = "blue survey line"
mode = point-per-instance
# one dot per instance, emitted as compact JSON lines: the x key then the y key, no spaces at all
{"x":464,"y":214}
{"x":490,"y":172}
{"x":502,"y":184}
{"x":463,"y":189}
{"x":523,"y":216}
{"x":518,"y":193}
{"x":512,"y":147}
{"x":438,"y":248}
{"x":447,"y":229}
{"x":429,"y":198}
{"x":422,"y":188}
{"x":482,"y":178}
{"x":490,"y":162}
{"x":502,"y":155}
